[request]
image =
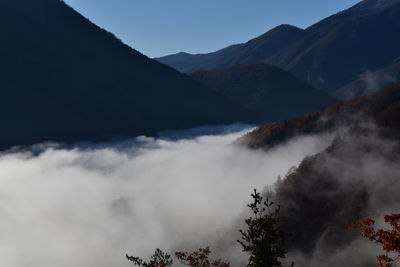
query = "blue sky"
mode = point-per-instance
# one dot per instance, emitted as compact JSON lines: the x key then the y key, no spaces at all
{"x":161,"y":27}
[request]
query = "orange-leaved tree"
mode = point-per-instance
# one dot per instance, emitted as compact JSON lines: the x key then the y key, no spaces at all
{"x":199,"y":258}
{"x":388,"y":239}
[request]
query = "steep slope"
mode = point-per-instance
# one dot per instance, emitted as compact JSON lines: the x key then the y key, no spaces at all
{"x":339,"y":49}
{"x":185,"y":62}
{"x":381,"y":108}
{"x":355,"y":177}
{"x":272,"y":93}
{"x":65,"y":79}
{"x":261,"y":48}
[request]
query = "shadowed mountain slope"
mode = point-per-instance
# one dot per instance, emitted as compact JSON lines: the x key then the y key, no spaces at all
{"x":65,"y":79}
{"x":272,"y":93}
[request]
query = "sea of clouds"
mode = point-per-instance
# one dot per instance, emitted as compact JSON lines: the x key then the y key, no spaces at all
{"x":87,"y":205}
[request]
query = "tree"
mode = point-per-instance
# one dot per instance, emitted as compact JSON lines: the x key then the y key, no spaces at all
{"x":199,"y":258}
{"x":264,"y":238}
{"x":388,"y":239}
{"x":159,"y":259}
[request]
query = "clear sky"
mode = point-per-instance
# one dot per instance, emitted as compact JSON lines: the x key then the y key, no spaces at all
{"x":161,"y":27}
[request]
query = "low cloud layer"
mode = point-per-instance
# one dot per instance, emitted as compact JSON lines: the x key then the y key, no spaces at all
{"x":89,"y":205}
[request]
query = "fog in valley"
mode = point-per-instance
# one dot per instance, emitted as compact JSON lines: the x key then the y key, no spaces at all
{"x":89,"y":204}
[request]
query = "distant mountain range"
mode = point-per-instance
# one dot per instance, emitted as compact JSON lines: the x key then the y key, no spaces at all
{"x":186,"y":62}
{"x":65,"y":79}
{"x":254,"y":51}
{"x":270,"y":92}
{"x":329,"y":54}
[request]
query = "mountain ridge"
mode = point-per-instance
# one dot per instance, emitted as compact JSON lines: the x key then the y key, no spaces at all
{"x":66,"y":79}
{"x":334,"y":51}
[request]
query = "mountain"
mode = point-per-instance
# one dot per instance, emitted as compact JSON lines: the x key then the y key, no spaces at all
{"x":331,"y":53}
{"x":252,"y":51}
{"x":340,"y":48}
{"x":379,"y":108}
{"x":65,"y":79}
{"x":270,"y":92}
{"x":261,"y":48}
{"x":185,"y":62}
{"x":355,"y":177}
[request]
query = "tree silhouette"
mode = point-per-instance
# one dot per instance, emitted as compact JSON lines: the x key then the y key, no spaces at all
{"x":159,"y":259}
{"x":264,"y":239}
{"x":199,"y":258}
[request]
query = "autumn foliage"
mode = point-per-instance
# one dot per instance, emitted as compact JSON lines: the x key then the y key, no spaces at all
{"x":388,"y":239}
{"x":199,"y":258}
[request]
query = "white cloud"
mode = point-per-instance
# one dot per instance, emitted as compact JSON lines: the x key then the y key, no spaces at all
{"x":89,"y":205}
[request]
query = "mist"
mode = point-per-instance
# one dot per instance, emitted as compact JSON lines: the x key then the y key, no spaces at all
{"x":89,"y":204}
{"x":359,"y":174}
{"x":373,"y":81}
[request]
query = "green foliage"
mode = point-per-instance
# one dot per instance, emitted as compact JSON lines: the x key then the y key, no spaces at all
{"x":264,"y":239}
{"x":159,"y":259}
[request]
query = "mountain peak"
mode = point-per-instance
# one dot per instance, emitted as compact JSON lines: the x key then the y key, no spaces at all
{"x":285,"y":27}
